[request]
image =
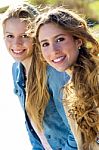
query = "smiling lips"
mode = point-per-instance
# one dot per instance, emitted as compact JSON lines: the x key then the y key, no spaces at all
{"x":18,"y":51}
{"x":59,"y":59}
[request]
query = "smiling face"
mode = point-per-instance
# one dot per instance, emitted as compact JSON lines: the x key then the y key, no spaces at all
{"x":19,"y":43}
{"x":58,"y":46}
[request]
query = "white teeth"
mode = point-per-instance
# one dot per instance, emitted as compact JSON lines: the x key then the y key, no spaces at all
{"x":59,"y":59}
{"x":18,"y":52}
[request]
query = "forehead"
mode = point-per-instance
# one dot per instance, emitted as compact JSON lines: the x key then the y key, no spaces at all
{"x":50,"y":30}
{"x":13,"y":23}
{"x":14,"y":20}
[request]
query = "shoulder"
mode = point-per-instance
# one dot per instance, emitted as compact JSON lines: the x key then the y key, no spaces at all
{"x":56,"y":76}
{"x":17,"y":68}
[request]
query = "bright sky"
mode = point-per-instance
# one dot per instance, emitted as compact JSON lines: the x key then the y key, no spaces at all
{"x":7,"y":2}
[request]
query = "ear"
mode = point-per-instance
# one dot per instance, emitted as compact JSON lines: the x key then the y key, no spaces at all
{"x":78,"y":43}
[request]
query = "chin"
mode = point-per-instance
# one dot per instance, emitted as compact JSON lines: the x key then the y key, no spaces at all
{"x":60,"y":69}
{"x":18,"y":59}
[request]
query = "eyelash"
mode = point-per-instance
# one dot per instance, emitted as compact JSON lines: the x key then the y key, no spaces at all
{"x":45,"y":44}
{"x":9,"y":36}
{"x":23,"y":36}
{"x":58,"y":40}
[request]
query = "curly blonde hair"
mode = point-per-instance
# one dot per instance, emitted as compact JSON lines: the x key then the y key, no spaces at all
{"x":82,"y":94}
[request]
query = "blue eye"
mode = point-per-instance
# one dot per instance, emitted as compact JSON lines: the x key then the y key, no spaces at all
{"x":60,"y":39}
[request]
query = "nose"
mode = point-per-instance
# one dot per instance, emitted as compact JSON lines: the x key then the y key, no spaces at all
{"x":17,"y":41}
{"x":55,"y":47}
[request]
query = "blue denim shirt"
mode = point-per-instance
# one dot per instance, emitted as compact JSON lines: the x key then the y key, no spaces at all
{"x":56,"y":128}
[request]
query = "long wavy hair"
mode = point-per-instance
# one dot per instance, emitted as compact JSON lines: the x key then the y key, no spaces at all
{"x":82,"y":94}
{"x":36,"y":90}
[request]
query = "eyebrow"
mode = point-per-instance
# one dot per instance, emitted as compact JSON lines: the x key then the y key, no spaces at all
{"x":45,"y":40}
{"x":12,"y":33}
{"x":8,"y":32}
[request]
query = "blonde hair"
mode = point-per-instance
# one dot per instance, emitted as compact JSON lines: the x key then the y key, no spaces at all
{"x":24,"y":11}
{"x":37,"y":91}
{"x":82,"y":96}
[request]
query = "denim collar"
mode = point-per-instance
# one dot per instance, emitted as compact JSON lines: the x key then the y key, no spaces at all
{"x":21,"y":77}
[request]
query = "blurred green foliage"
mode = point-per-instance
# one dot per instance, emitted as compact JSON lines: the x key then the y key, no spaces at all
{"x":94,"y":6}
{"x":84,"y":7}
{"x":88,"y":8}
{"x":3,"y":9}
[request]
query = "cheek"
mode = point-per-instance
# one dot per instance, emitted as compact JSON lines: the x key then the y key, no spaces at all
{"x":72,"y":52}
{"x":29,"y":45}
{"x":7,"y":44}
{"x":45,"y":54}
{"x":75,"y":54}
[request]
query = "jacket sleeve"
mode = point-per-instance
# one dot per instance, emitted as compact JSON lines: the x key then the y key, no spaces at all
{"x":34,"y":139}
{"x":60,"y":79}
{"x":19,"y":84}
{"x":71,"y":144}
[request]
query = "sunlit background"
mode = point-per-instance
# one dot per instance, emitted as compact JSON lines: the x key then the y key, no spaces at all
{"x":13,"y":134}
{"x":7,"y":2}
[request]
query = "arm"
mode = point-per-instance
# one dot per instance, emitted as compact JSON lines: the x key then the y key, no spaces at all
{"x":34,"y":139}
{"x":19,"y":81}
{"x":71,"y":144}
{"x":60,"y":79}
{"x":19,"y":85}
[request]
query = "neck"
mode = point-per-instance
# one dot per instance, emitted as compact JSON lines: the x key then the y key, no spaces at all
{"x":69,"y":71}
{"x":27,"y":63}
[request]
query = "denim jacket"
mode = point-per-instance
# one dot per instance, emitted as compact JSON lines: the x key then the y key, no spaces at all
{"x":56,"y":127}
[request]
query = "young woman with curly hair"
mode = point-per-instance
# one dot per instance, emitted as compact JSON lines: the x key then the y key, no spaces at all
{"x":65,"y":42}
